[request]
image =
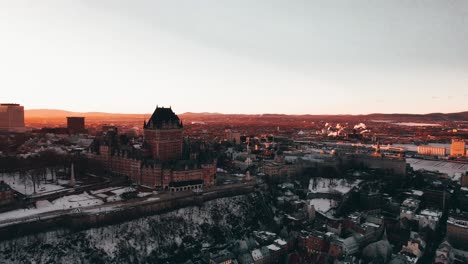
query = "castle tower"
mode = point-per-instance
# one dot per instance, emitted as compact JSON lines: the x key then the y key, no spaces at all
{"x":164,"y":134}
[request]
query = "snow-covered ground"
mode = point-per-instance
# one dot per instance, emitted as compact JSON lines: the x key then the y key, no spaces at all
{"x":112,"y":194}
{"x":143,"y":240}
{"x":67,"y":202}
{"x":144,"y":194}
{"x":323,"y":205}
{"x":453,"y":169}
{"x":123,"y":190}
{"x":26,"y":188}
{"x":326,"y":185}
{"x":101,"y":191}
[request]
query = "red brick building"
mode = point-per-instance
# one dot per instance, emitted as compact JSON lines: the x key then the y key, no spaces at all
{"x":161,"y":162}
{"x":314,"y":242}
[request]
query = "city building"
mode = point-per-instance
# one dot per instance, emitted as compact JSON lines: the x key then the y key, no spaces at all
{"x":458,"y":148}
{"x":246,"y":258}
{"x":409,"y":208}
{"x":394,"y":166}
{"x":463,"y":199}
{"x":234,"y":137}
{"x":432,"y":150}
{"x":75,"y":124}
{"x":12,"y":118}
{"x":160,"y":161}
{"x":429,"y":218}
{"x":415,"y":245}
{"x":258,"y":257}
{"x":6,"y":194}
{"x":464,"y":180}
{"x":438,"y":195}
{"x":457,"y":230}
{"x":343,"y":247}
{"x":222,"y":257}
{"x":444,"y":254}
{"x":314,"y":242}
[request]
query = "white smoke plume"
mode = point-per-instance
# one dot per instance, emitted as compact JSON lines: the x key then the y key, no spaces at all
{"x":360,"y":126}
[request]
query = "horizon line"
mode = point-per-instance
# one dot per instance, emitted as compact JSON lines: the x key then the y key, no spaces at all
{"x":220,"y":113}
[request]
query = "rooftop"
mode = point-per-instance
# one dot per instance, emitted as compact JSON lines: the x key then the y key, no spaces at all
{"x":163,"y":118}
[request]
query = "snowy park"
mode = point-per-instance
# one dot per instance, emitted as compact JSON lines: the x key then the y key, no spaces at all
{"x":329,"y":185}
{"x":43,"y":206}
{"x":24,"y":183}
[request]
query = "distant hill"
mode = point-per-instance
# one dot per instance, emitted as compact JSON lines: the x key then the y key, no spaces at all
{"x":434,"y":117}
{"x":460,"y":116}
{"x":46,"y":113}
{"x":55,"y":113}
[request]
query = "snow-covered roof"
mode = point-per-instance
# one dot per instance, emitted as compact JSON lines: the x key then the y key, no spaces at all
{"x":273,"y":247}
{"x":457,"y":222}
{"x":280,"y":242}
{"x":433,"y":213}
{"x":321,"y":204}
{"x":411,"y":203}
{"x":257,"y":255}
{"x":371,"y":225}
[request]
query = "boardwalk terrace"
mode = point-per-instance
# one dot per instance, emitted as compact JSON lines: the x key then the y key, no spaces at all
{"x":163,"y":160}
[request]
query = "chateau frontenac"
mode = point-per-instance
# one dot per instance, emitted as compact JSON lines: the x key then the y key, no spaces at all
{"x":164,"y":161}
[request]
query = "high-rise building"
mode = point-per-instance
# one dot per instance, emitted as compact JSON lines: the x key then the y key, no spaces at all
{"x":163,"y":132}
{"x":12,"y":118}
{"x":458,"y":148}
{"x":76,"y":124}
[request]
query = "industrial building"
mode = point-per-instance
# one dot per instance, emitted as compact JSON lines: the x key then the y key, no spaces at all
{"x":458,"y":148}
{"x":432,"y":150}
